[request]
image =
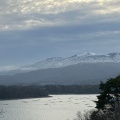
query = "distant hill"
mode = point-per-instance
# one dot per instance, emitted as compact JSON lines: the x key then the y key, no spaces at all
{"x":82,"y":73}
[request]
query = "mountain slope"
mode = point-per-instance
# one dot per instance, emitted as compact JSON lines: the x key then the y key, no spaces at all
{"x":57,"y":62}
{"x":83,"y":73}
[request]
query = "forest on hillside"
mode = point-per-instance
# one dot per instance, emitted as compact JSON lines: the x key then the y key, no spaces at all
{"x":17,"y":92}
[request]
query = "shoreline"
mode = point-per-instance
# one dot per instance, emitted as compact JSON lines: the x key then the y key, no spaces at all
{"x":24,"y":98}
{"x":46,"y":96}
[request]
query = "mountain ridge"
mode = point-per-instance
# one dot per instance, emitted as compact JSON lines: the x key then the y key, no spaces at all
{"x":82,"y":68}
{"x":58,"y":62}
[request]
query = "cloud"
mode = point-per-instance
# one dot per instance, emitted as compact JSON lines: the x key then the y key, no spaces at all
{"x":8,"y":68}
{"x":16,"y":14}
{"x":59,"y":33}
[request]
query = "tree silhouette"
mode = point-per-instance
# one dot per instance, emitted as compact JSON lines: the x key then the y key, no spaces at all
{"x":110,"y":92}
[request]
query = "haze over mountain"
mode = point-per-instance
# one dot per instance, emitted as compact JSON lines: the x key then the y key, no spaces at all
{"x":86,"y":68}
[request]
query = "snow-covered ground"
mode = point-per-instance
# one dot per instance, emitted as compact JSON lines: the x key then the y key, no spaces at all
{"x":57,"y":107}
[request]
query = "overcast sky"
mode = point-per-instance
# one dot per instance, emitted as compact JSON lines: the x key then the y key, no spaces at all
{"x":33,"y":30}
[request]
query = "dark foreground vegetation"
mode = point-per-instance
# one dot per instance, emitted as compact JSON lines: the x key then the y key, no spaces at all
{"x":108,"y":104}
{"x":16,"y":92}
{"x":95,"y":115}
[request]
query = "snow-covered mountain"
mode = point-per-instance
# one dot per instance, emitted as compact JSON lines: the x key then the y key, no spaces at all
{"x":82,"y":68}
{"x":57,"y":62}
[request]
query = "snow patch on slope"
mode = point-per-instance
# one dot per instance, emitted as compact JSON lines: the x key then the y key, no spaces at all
{"x":57,"y":62}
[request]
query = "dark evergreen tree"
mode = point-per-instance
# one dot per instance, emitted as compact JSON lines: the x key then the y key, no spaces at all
{"x":110,"y":91}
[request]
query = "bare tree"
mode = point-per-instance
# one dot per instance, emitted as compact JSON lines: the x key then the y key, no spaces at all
{"x":95,"y":115}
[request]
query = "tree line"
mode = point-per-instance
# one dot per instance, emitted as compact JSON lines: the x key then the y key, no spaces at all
{"x":34,"y":91}
{"x":16,"y":92}
{"x":72,"y":89}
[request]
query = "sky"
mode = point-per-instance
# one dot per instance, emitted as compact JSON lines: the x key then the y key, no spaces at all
{"x":33,"y":30}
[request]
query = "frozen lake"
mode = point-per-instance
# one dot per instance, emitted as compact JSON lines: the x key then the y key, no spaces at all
{"x":57,"y":107}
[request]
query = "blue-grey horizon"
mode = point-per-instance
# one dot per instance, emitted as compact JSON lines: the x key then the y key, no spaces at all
{"x":33,"y":30}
